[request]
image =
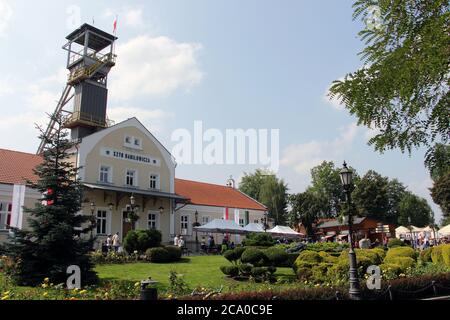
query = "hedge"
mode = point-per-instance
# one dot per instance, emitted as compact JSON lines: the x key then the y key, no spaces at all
{"x":425,"y":255}
{"x":403,"y":262}
{"x":394,"y":242}
{"x":163,"y":254}
{"x":402,"y":289}
{"x":258,"y":239}
{"x":401,"y":252}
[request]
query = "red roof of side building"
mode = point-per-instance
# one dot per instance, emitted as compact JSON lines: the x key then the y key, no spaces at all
{"x":16,"y":167}
{"x":207,"y":194}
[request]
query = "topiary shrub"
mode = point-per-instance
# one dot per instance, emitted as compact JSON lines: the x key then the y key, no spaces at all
{"x":263,"y":273}
{"x":319,"y":273}
{"x":390,"y":271}
{"x":254,"y":256}
{"x":230,"y":271}
{"x":425,"y":255}
{"x":245,"y":269}
{"x":436,"y":255}
{"x":230,"y":255}
{"x":394,"y":242}
{"x":276,"y":257}
{"x":380,"y":252}
{"x":157,"y":255}
{"x":400,"y":252}
{"x":326,"y":257}
{"x":163,"y":254}
{"x":445,"y":252}
{"x":174,"y":253}
{"x":403,"y":262}
{"x":258,"y":240}
{"x":141,"y":240}
{"x":309,"y":256}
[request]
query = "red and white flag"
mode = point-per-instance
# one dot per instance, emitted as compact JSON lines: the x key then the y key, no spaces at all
{"x":115,"y":25}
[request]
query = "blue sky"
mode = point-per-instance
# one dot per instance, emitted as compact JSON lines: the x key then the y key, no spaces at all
{"x":231,"y":64}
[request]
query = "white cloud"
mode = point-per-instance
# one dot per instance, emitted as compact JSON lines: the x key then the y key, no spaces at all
{"x":6,"y":14}
{"x":6,"y":87}
{"x":154,"y":66}
{"x":133,"y":18}
{"x":303,"y":157}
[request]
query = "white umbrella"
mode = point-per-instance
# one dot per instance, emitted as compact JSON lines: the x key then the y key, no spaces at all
{"x":285,"y":231}
{"x":254,"y":227}
{"x":221,"y":226}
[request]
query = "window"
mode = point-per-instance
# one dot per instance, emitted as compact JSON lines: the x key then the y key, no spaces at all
{"x":154,"y":181}
{"x":256,"y":221}
{"x":137,"y":142}
{"x":184,"y":224}
{"x":128,"y":140}
{"x":105,"y":174}
{"x":246,"y":217}
{"x":5,"y":215}
{"x":101,"y":221}
{"x":131,"y":178}
{"x":205,"y":220}
{"x":241,"y":222}
{"x":152,"y":221}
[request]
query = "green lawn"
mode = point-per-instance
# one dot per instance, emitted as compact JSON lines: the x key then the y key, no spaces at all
{"x":197,"y":271}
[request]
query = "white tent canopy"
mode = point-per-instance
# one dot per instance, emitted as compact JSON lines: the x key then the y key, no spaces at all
{"x":445,"y":231}
{"x":254,"y":227}
{"x":284,"y":231}
{"x":401,"y":231}
{"x":221,"y":226}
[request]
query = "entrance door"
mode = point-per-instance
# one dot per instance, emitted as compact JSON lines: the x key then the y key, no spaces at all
{"x":126,"y":225}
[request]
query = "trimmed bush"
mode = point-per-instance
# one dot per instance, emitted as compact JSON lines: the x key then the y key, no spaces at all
{"x":394,"y":242}
{"x":259,"y":240}
{"x":445,"y":251}
{"x":380,"y":251}
{"x":329,"y":247}
{"x":436,"y":255}
{"x":174,"y":253}
{"x":276,"y":257}
{"x":403,"y":262}
{"x":245,"y":269}
{"x":309,"y":256}
{"x":425,"y":255}
{"x":254,"y":256}
{"x":319,"y":272}
{"x":263,"y":273}
{"x":400,"y":252}
{"x":326,"y":257}
{"x":163,"y":254}
{"x":231,"y":271}
{"x":141,"y":240}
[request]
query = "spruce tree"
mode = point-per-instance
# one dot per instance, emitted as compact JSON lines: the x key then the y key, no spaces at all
{"x":55,"y":237}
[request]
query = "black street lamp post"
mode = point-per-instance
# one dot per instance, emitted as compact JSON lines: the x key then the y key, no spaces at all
{"x":347,"y":182}
{"x":196,"y":232}
{"x":92,"y":219}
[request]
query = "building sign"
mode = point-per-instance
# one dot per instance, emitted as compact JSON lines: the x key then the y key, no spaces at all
{"x":130,"y":156}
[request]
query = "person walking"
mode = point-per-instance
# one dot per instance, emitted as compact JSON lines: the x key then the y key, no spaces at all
{"x":116,"y":242}
{"x":108,"y":243}
{"x":176,"y":240}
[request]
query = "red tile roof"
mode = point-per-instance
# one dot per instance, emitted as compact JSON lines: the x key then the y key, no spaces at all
{"x":208,"y":194}
{"x":16,"y":167}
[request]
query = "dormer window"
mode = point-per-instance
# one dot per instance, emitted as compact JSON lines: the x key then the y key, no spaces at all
{"x":133,"y":142}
